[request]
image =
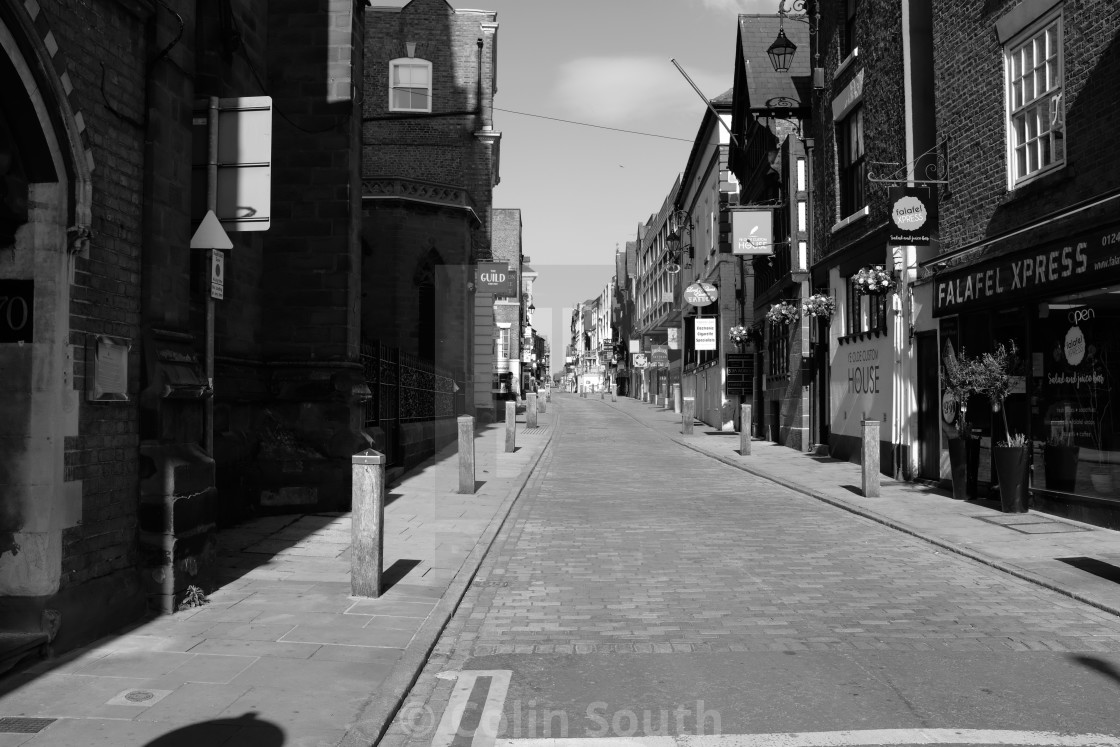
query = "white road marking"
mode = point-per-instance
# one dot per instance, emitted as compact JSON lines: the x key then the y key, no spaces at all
{"x":870,"y":738}
{"x":487,"y":731}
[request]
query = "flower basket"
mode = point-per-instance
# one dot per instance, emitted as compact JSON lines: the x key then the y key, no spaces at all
{"x":782,"y":312}
{"x":873,"y":281}
{"x":819,"y":306}
{"x":739,"y":335}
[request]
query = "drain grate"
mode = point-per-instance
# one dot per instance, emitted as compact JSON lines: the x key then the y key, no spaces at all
{"x":20,"y":725}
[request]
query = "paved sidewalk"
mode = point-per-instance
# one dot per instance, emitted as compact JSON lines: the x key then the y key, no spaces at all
{"x":282,"y":654}
{"x":1030,"y":546}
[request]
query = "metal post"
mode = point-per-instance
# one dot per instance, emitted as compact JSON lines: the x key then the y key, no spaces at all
{"x":531,"y":411}
{"x":745,"y":430}
{"x":688,"y":416}
{"x":211,"y":204}
{"x":367,"y":523}
{"x":511,"y":427}
{"x":869,"y":458}
{"x":677,"y":404}
{"x":466,"y":454}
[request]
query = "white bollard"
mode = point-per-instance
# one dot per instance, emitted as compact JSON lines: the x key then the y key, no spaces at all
{"x":466,"y":454}
{"x":745,"y":430}
{"x":688,"y":416}
{"x":367,"y":523}
{"x":869,"y":458}
{"x":511,"y":427}
{"x":531,"y":410}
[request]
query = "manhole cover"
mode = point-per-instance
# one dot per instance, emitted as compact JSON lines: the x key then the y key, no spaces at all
{"x":20,"y":725}
{"x":141,"y":698}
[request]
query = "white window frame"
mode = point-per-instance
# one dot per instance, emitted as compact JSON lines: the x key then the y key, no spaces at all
{"x":1047,"y":109}
{"x":411,"y":61}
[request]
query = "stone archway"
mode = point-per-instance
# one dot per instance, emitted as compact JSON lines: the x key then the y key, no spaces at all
{"x":48,"y":168}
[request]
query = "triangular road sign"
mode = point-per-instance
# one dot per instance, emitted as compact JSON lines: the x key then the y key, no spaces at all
{"x":210,"y":234}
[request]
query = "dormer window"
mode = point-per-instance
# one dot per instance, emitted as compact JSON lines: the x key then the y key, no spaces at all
{"x":410,"y":85}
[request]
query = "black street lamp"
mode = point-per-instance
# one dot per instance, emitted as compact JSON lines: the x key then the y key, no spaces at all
{"x":681,"y":221}
{"x":782,"y":50}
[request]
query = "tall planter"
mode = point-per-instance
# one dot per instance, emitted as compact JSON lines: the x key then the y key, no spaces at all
{"x":1011,"y":469}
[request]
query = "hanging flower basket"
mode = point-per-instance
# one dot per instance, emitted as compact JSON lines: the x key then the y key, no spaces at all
{"x":782,"y":312}
{"x":739,"y":335}
{"x":819,"y":306}
{"x":873,"y":281}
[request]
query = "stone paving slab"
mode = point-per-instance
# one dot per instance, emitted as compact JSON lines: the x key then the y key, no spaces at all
{"x":283,"y":654}
{"x":924,"y":511}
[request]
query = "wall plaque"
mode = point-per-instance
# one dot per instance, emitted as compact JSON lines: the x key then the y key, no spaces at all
{"x":107,"y":369}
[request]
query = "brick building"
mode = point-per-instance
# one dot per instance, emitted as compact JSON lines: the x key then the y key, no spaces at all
{"x":1030,"y":231}
{"x":508,"y":312}
{"x":110,"y":486}
{"x":429,"y":165}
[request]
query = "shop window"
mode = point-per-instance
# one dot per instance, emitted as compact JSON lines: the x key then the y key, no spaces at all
{"x":1035,"y":106}
{"x":853,"y":166}
{"x":777,"y":349}
{"x":865,"y":313}
{"x":850,"y":15}
{"x":410,"y":85}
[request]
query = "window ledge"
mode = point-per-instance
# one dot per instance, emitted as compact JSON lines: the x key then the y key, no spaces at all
{"x":847,"y":61}
{"x":1041,"y":181}
{"x":859,"y":214}
{"x":861,"y":336}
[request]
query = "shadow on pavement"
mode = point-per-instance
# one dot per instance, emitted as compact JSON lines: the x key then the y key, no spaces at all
{"x":1107,"y":668}
{"x":245,"y":730}
{"x":396,"y":572}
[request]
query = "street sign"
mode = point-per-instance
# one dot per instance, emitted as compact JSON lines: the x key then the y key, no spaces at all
{"x":217,"y":274}
{"x":639,"y":360}
{"x":701,"y":294}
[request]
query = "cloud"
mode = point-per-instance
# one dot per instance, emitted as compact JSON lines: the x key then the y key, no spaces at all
{"x":632,"y":91}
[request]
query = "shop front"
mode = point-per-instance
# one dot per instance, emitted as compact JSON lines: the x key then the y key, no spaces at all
{"x":1059,"y":303}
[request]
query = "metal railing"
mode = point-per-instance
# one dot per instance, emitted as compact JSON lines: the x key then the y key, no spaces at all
{"x":406,"y":389}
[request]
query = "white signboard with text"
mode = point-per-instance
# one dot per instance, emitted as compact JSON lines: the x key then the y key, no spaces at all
{"x":861,"y":385}
{"x":705,"y":335}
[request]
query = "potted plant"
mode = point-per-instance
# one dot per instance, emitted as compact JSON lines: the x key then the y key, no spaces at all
{"x":739,"y":334}
{"x":819,"y":306}
{"x":1010,"y":456}
{"x":873,"y":281}
{"x":782,"y":312}
{"x":957,"y":381}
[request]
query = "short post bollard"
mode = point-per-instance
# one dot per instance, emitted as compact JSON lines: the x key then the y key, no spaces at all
{"x":745,"y":430}
{"x":677,"y":405}
{"x":531,"y":411}
{"x":367,"y":523}
{"x":602,"y":394}
{"x":688,"y":416}
{"x":466,"y":454}
{"x":547,"y":395}
{"x":614,"y":396}
{"x":869,"y":458}
{"x":541,"y":407}
{"x":511,"y":427}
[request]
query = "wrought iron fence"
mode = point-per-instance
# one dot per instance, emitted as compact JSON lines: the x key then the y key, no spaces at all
{"x":406,"y":389}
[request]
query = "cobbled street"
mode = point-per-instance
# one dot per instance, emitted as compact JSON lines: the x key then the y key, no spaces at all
{"x":639,"y":588}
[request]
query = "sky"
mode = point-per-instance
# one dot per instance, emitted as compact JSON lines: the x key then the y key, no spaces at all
{"x":582,"y":190}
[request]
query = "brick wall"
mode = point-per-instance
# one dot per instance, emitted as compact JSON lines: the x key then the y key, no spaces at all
{"x":970,"y":92}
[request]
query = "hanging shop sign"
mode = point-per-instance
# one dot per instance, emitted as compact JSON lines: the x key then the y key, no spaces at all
{"x":701,"y":294}
{"x":913,"y":216}
{"x":674,"y":340}
{"x":639,"y":360}
{"x":752,"y":231}
{"x":705,"y":334}
{"x":635,"y":345}
{"x":1050,"y":268}
{"x":496,"y":278}
{"x":659,"y":358}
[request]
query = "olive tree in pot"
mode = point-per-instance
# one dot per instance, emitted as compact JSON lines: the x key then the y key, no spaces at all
{"x":957,"y":380}
{"x":992,"y":378}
